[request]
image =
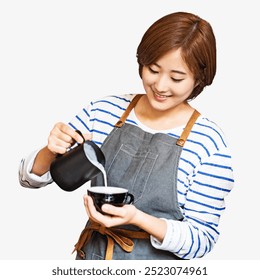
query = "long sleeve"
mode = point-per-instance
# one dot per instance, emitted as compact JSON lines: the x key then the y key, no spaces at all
{"x":204,"y":179}
{"x":28,"y":179}
{"x":86,"y":122}
{"x":196,"y":235}
{"x":205,"y":176}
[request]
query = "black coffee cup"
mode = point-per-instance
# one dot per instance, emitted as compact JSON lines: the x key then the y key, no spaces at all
{"x":110,"y":195}
{"x":74,"y":168}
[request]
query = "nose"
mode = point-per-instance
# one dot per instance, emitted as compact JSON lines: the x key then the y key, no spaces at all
{"x":161,"y":84}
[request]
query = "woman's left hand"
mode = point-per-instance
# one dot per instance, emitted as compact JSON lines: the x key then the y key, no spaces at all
{"x":115,"y":215}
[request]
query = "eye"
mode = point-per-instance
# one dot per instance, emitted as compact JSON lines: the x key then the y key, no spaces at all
{"x":177,"y":80}
{"x":152,"y":71}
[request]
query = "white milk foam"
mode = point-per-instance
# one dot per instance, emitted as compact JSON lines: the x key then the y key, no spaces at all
{"x":107,"y":190}
{"x":92,"y":157}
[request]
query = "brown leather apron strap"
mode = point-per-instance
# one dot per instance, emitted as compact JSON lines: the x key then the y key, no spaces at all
{"x":181,"y":141}
{"x":128,"y":110}
{"x":121,"y":236}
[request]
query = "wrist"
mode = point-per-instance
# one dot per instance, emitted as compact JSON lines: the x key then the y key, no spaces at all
{"x":154,"y":226}
{"x":137,"y":219}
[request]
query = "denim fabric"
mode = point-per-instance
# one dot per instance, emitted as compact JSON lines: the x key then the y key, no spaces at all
{"x":146,"y":164}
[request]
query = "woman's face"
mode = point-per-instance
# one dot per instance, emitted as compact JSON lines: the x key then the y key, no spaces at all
{"x":168,"y":82}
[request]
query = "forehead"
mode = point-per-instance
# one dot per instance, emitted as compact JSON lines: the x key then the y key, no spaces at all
{"x":173,"y":60}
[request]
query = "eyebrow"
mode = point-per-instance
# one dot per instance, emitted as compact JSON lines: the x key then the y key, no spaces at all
{"x":173,"y":71}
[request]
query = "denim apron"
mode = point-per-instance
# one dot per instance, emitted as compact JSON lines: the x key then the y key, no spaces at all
{"x":146,"y":164}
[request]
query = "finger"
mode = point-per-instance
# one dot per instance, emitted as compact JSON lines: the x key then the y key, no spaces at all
{"x":66,"y":133}
{"x":73,"y":134}
{"x":86,"y":204}
{"x":92,"y":209}
{"x":56,"y":145}
{"x":61,"y":131}
{"x":113,"y":210}
{"x":87,"y":136}
{"x":56,"y":149}
{"x":103,"y":219}
{"x":62,"y":137}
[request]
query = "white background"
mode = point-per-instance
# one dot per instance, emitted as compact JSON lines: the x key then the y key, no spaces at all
{"x":57,"y":55}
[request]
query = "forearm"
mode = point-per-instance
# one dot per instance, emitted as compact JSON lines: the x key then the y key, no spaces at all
{"x":42,"y":161}
{"x":27,"y":178}
{"x":178,"y":237}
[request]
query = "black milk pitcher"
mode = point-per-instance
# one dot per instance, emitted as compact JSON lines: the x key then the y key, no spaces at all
{"x":77,"y":166}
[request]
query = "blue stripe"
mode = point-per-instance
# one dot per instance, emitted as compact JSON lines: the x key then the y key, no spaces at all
{"x":192,"y":152}
{"x":208,"y":243}
{"x":206,"y":205}
{"x":111,"y":103}
{"x":131,"y":121}
{"x":182,"y":170}
{"x":199,"y":243}
{"x":122,"y":98}
{"x":210,"y":127}
{"x":205,"y":195}
{"x":78,"y":118}
{"x":208,"y":225}
{"x":223,"y":155}
{"x":100,"y":121}
{"x":191,"y":141}
{"x":211,"y":186}
{"x":74,"y":127}
{"x":181,"y":193}
{"x":92,"y":130}
{"x":99,"y":132}
{"x":218,"y":165}
{"x":203,"y":212}
{"x":86,"y":112}
{"x":97,"y":142}
{"x":181,"y":182}
{"x":207,"y":136}
{"x":206,"y":247}
{"x":110,"y":124}
{"x":200,"y":144}
{"x":106,"y":112}
{"x":113,"y":115}
{"x":192,"y":243}
{"x":216,"y":176}
{"x":188,"y":162}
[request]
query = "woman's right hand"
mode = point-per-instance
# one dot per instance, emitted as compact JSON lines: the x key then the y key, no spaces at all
{"x":62,"y":137}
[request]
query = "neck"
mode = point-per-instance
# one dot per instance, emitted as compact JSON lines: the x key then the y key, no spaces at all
{"x":162,"y":119}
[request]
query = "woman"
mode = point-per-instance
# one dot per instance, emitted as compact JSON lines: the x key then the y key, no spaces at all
{"x":175,"y":161}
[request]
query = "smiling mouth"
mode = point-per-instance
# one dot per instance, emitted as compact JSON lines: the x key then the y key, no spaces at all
{"x":161,"y":95}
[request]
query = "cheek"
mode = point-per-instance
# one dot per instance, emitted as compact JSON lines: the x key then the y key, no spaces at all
{"x":147,"y":83}
{"x":183,"y":89}
{"x":147,"y":78}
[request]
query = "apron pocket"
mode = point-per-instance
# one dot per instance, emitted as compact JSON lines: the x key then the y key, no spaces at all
{"x":131,"y":169}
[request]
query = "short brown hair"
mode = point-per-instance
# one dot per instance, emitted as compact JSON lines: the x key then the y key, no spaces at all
{"x":193,"y":35}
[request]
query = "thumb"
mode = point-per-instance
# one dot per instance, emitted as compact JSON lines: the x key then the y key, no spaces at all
{"x":87,"y":136}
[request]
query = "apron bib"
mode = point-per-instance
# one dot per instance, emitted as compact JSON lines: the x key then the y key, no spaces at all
{"x":146,"y":164}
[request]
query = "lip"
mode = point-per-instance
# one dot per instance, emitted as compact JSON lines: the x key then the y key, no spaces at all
{"x":160,"y":97}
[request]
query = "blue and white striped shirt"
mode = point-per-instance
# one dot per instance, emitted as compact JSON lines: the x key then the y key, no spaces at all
{"x":205,"y":174}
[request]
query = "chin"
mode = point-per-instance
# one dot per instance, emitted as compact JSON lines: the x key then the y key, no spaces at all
{"x":161,"y":106}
